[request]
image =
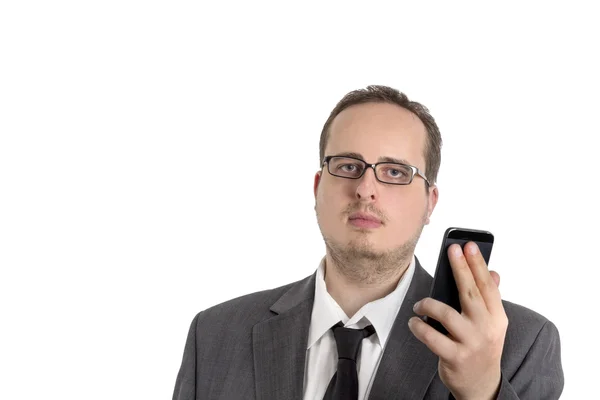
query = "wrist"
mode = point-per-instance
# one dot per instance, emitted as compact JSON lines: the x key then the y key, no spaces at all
{"x":484,"y":392}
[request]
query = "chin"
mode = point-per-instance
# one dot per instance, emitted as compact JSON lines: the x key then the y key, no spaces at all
{"x":364,"y":243}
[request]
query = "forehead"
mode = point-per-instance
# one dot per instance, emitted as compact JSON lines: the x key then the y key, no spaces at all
{"x":376,"y":131}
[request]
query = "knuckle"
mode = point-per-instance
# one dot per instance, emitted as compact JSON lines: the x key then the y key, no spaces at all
{"x":488,"y":285}
{"x":473,"y":293}
{"x":462,"y":357}
{"x":430,"y":336}
{"x":447,"y":313}
{"x":491,"y":336}
{"x":495,"y":333}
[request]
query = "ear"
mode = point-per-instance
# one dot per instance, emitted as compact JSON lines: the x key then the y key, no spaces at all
{"x":433,"y":199}
{"x":316,"y":183}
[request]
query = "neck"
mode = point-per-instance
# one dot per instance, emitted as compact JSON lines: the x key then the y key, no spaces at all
{"x":351,"y":293}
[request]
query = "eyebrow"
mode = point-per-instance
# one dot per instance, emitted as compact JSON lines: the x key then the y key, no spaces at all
{"x":380,"y":159}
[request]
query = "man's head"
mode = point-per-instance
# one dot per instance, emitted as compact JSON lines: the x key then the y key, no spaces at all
{"x":374,"y":125}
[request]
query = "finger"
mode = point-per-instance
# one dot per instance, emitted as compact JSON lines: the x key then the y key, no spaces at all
{"x":470,"y":297}
{"x":444,"y":314}
{"x":438,"y":343}
{"x":487,"y":287}
{"x":495,"y":277}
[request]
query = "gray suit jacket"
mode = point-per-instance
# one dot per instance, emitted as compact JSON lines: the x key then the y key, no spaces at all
{"x":254,"y":347}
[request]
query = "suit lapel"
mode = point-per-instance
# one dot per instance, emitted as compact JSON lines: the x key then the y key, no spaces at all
{"x":407,"y":365}
{"x":279,"y":344}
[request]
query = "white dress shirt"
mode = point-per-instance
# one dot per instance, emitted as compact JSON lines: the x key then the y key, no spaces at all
{"x":321,"y":353}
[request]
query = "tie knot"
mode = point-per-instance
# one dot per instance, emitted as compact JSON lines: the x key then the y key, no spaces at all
{"x":349,"y":341}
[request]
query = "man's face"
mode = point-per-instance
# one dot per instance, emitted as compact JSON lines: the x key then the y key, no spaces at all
{"x":374,"y":132}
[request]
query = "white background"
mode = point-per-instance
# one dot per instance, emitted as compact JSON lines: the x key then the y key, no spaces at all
{"x":157,"y":158}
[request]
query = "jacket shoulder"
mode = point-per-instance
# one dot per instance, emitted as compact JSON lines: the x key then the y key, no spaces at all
{"x":528,"y":331}
{"x":524,"y":327}
{"x":531,"y":358}
{"x":246,"y":309}
{"x":518,"y":315}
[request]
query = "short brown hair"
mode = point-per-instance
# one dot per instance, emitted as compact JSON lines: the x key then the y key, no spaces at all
{"x":384,"y":94}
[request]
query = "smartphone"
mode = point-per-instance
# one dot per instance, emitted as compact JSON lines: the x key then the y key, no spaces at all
{"x":443,"y":287}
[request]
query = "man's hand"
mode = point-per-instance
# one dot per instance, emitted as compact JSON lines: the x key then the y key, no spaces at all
{"x":470,"y":355}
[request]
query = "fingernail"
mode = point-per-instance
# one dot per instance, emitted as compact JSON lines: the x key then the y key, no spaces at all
{"x":473,"y":249}
{"x":416,"y":305}
{"x":457,"y":251}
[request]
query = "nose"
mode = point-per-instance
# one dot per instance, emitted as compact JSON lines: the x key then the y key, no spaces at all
{"x":367,"y":186}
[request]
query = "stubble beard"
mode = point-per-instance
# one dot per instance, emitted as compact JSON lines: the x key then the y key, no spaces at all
{"x":358,"y":261}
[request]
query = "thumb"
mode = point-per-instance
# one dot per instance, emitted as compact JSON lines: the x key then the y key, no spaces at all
{"x":495,"y":277}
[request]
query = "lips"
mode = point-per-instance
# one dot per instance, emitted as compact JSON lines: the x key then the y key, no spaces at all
{"x":364,"y":220}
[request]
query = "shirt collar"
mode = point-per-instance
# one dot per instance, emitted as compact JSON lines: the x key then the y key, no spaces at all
{"x":381,"y":313}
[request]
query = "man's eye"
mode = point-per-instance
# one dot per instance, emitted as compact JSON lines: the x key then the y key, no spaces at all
{"x":395,"y":173}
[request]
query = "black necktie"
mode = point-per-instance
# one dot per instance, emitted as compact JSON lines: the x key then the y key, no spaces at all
{"x":344,"y":384}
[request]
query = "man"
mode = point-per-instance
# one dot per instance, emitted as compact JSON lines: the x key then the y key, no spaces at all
{"x":351,"y":330}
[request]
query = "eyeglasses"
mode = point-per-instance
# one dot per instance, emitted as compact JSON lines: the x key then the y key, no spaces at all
{"x":385,"y":172}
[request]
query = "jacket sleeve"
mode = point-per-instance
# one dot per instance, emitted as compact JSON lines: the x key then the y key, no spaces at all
{"x":185,"y":385}
{"x":540,"y":375}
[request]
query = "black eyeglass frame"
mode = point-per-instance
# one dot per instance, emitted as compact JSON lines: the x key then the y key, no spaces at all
{"x":415,"y":170}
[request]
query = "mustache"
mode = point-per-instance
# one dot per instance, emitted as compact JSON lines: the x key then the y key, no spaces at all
{"x":370,"y":209}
